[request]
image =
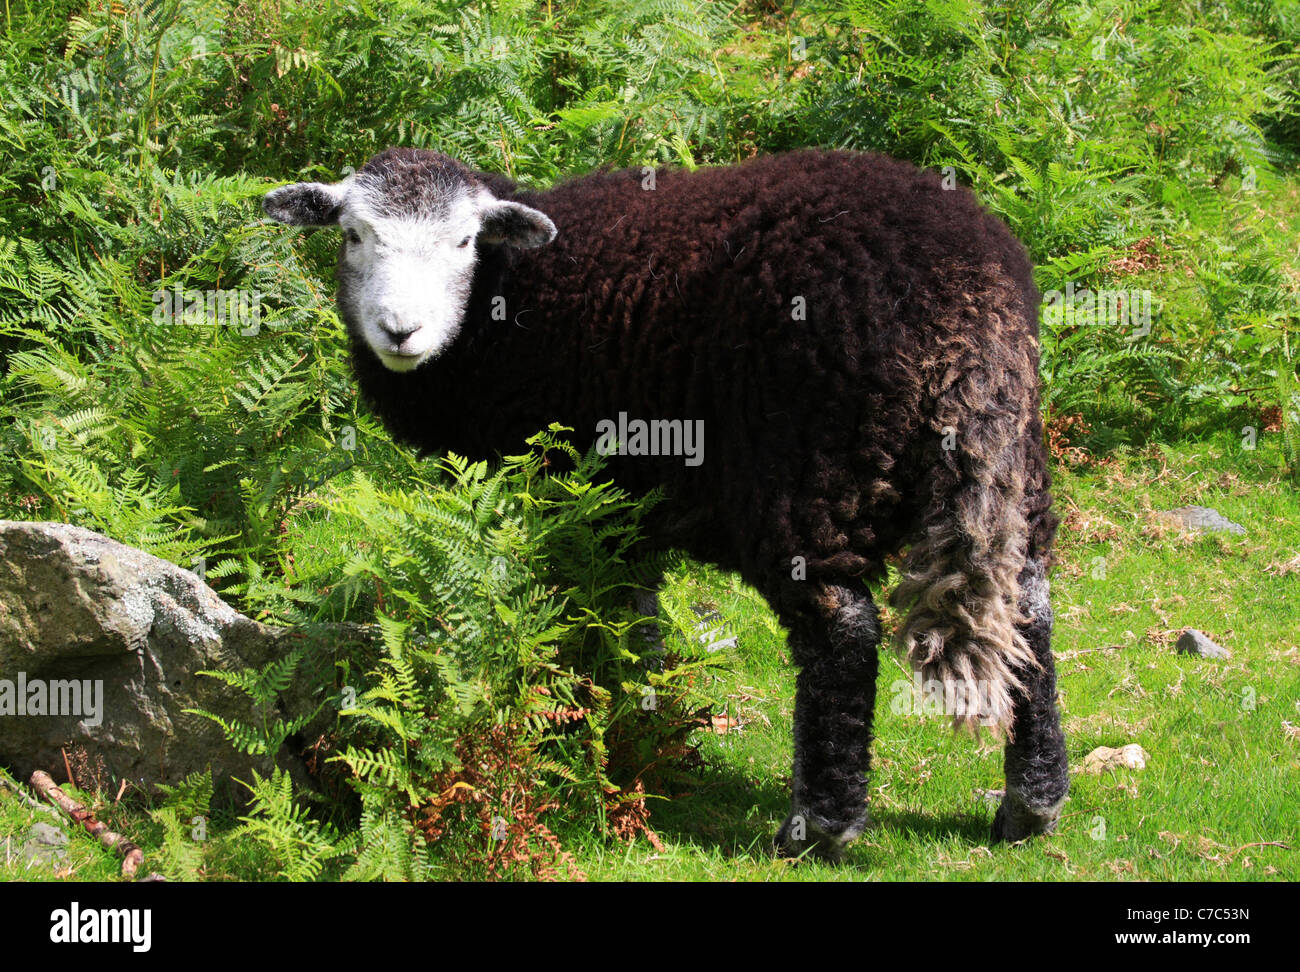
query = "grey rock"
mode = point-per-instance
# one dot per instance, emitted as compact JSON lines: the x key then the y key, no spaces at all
{"x":75,"y":605}
{"x":44,"y":844}
{"x":1202,"y":519}
{"x":1193,"y":642}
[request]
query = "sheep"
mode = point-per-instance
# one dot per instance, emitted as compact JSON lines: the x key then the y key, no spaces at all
{"x":858,"y":340}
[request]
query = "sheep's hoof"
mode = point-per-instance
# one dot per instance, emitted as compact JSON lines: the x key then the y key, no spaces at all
{"x":1017,"y":820}
{"x":800,"y":836}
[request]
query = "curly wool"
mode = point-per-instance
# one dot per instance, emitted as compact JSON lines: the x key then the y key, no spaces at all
{"x":859,"y":341}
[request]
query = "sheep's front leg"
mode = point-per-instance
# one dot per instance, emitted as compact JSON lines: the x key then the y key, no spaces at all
{"x":835,"y":649}
{"x":1035,"y":762}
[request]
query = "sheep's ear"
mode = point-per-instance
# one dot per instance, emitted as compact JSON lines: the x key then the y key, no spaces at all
{"x":514,"y":224}
{"x":305,"y":204}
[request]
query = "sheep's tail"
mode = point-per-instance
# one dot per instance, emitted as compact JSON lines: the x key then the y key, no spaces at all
{"x":960,"y":584}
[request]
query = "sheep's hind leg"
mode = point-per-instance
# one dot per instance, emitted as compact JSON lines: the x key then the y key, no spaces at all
{"x":835,"y":649}
{"x":1035,"y":762}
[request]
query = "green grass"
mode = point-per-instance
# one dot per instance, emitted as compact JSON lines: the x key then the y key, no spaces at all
{"x":1223,"y":736}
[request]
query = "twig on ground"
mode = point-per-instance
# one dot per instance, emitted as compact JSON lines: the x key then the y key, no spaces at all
{"x":1066,"y":656}
{"x":132,"y":856}
{"x":1262,"y":843}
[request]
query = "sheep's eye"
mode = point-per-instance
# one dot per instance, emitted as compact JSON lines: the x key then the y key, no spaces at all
{"x":352,"y":236}
{"x":464,"y":243}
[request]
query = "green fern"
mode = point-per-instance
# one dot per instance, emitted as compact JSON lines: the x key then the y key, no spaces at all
{"x":298,"y":848}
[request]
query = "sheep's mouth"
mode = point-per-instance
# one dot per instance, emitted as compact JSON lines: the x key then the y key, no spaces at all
{"x":401,"y":353}
{"x":400,"y":360}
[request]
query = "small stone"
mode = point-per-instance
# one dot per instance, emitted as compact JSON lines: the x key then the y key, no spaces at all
{"x":44,"y":844}
{"x":1201,"y":519}
{"x":1105,"y":758}
{"x":1193,"y":642}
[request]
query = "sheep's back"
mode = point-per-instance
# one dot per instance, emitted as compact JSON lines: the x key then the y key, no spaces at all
{"x":805,"y":306}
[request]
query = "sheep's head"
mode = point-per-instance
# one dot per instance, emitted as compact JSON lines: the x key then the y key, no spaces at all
{"x":413,"y":222}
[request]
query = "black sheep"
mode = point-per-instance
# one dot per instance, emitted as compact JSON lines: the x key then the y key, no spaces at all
{"x":860,"y":344}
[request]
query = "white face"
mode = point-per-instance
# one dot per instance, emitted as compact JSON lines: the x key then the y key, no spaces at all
{"x":413,"y":225}
{"x":405,"y":281}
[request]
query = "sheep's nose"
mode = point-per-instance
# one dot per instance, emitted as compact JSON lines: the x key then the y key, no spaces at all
{"x":397,"y":328}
